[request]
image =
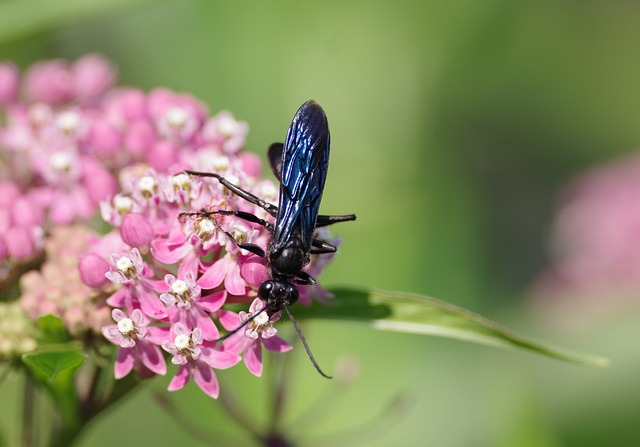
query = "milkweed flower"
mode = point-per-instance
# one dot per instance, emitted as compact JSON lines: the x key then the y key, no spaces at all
{"x":595,"y":243}
{"x":257,"y":333}
{"x":167,"y":269}
{"x":196,"y":357}
{"x":138,"y":344}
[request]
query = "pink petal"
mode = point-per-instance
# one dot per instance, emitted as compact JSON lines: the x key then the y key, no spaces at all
{"x":218,"y":359}
{"x":124,"y":362}
{"x":233,"y":282}
{"x":168,"y":253}
{"x":151,"y":304}
{"x":214,"y":275}
{"x":119,"y":298}
{"x":228,"y":319}
{"x":276,"y":344}
{"x":152,"y":358}
{"x":206,"y":379}
{"x":214,"y":301}
{"x":202,"y":320}
{"x":253,"y":358}
{"x":180,"y":379}
{"x":157,"y":334}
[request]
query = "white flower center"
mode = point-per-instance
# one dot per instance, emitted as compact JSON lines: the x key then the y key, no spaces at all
{"x":60,"y":162}
{"x":205,"y":228}
{"x":177,"y":117}
{"x":227,"y":126}
{"x":68,"y":122}
{"x":122,"y":204}
{"x":220,"y":163}
{"x":182,"y":341}
{"x":124,"y":264}
{"x":147,"y":185}
{"x":233,"y":179}
{"x":179,"y":287}
{"x":125,"y":326}
{"x":181,"y":181}
{"x":261,"y":319}
{"x":239,"y":233}
{"x":268,"y":192}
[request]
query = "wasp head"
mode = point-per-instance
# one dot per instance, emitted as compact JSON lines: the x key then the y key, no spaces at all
{"x":276,"y":293}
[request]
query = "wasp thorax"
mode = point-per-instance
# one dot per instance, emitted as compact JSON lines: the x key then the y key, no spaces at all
{"x":290,"y":260}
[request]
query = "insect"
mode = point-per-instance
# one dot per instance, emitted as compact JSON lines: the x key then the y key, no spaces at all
{"x":300,"y":165}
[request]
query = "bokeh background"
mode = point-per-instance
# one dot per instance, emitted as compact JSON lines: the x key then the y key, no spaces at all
{"x":454,"y":125}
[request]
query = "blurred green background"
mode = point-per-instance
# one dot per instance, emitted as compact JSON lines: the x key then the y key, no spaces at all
{"x":453,"y":126}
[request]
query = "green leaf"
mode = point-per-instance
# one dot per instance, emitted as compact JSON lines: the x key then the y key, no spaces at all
{"x":51,"y":330}
{"x":19,"y":18}
{"x":54,"y":366}
{"x":403,"y":312}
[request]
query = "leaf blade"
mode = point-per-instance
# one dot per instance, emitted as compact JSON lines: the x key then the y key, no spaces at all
{"x":412,"y":313}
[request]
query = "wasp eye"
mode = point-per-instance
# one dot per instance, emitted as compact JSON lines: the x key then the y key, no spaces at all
{"x":264,"y":292}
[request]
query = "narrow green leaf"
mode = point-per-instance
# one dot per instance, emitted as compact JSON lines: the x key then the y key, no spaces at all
{"x":418,"y":314}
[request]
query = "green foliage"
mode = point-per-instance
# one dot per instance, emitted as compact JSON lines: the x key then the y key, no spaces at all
{"x":54,"y":365}
{"x":404,"y":312}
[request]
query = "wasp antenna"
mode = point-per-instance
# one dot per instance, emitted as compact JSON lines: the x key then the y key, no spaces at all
{"x":304,"y":342}
{"x":243,"y":325}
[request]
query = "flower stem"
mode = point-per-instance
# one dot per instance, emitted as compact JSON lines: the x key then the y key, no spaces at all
{"x":28,"y":410}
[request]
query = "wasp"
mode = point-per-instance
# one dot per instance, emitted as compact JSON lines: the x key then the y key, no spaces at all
{"x":300,"y":164}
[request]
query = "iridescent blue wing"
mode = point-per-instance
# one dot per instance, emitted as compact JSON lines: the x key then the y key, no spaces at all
{"x":304,"y":163}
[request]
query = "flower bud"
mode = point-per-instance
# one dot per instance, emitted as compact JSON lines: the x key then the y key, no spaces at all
{"x":92,"y":76}
{"x":49,"y":82}
{"x":92,"y":269}
{"x":9,"y":80}
{"x":136,"y":231}
{"x":254,"y":271}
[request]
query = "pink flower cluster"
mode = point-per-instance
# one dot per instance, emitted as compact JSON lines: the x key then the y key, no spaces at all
{"x":75,"y":146}
{"x":596,"y":238}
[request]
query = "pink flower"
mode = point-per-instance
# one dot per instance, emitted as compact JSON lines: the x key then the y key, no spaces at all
{"x":225,"y":132}
{"x":196,"y":357}
{"x":595,"y":244}
{"x":190,"y":308}
{"x":132,"y":273}
{"x":50,"y":82}
{"x":258,"y":332}
{"x":138,"y":344}
{"x":9,"y":80}
{"x":92,"y":75}
{"x":177,"y":116}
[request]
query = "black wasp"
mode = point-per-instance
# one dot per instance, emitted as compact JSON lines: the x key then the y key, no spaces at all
{"x":300,"y":164}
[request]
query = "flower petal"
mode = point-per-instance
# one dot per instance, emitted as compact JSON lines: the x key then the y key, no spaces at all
{"x":180,"y":379}
{"x":152,"y":357}
{"x":124,"y":362}
{"x":206,"y":379}
{"x":276,"y":344}
{"x":253,"y":358}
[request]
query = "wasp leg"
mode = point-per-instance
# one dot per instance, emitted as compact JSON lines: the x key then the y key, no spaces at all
{"x":320,"y":247}
{"x":245,"y":216}
{"x":304,"y":279}
{"x":323,"y":221}
{"x":246,"y":195}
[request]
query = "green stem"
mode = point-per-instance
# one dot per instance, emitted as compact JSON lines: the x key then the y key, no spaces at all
{"x":28,"y":410}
